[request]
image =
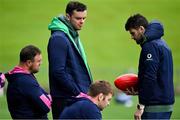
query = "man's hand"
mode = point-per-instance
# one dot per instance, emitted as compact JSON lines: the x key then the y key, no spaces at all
{"x":138,"y":114}
{"x":2,"y":80}
{"x":83,"y":95}
{"x":50,"y":98}
{"x":131,"y":91}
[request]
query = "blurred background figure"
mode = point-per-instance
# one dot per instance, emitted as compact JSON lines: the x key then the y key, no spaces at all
{"x":122,"y":98}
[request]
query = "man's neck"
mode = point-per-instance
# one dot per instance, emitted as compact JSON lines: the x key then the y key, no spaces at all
{"x":94,"y":100}
{"x":24,"y":67}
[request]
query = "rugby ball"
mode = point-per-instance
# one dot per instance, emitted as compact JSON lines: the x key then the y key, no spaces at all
{"x":126,"y":81}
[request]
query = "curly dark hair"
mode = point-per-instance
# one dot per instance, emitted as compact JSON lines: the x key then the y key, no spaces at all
{"x":136,"y":21}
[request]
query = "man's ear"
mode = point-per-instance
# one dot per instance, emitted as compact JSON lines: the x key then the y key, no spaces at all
{"x":100,"y":97}
{"x":67,"y":16}
{"x":28,"y":63}
{"x":142,"y":29}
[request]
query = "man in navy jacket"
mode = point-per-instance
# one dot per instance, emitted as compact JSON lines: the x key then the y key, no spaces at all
{"x":25,"y":98}
{"x":90,"y":106}
{"x":156,"y":91}
{"x":69,"y":74}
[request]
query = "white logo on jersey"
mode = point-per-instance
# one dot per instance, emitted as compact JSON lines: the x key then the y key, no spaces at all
{"x":149,"y":56}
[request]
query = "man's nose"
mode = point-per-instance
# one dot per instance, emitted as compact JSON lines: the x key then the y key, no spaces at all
{"x":82,"y":21}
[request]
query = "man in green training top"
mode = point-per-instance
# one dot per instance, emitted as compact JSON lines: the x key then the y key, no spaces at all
{"x":69,"y":74}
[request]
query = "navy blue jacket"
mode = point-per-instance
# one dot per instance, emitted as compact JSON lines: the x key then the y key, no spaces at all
{"x":82,"y":109}
{"x":68,"y":75}
{"x":24,"y":97}
{"x":155,"y":68}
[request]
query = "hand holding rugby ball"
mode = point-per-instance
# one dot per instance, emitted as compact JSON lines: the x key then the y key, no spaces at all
{"x":127,"y":82}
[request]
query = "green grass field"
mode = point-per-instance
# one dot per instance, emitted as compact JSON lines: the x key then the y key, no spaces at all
{"x":109,"y":49}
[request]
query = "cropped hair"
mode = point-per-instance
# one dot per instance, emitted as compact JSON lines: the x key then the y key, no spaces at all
{"x":136,"y":21}
{"x":75,"y":5}
{"x":98,"y":87}
{"x":28,"y":53}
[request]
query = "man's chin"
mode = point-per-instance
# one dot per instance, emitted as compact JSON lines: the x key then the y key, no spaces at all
{"x":78,"y":29}
{"x":101,"y":109}
{"x":35,"y":71}
{"x":137,"y":42}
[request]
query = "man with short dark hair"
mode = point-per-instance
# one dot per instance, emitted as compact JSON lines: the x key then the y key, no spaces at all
{"x":90,"y":106}
{"x":69,"y":73}
{"x":25,"y":98}
{"x":155,"y":89}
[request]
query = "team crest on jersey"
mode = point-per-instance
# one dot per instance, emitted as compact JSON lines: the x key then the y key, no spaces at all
{"x":149,"y":57}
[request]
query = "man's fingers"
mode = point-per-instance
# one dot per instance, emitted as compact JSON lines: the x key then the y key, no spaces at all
{"x":137,"y":117}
